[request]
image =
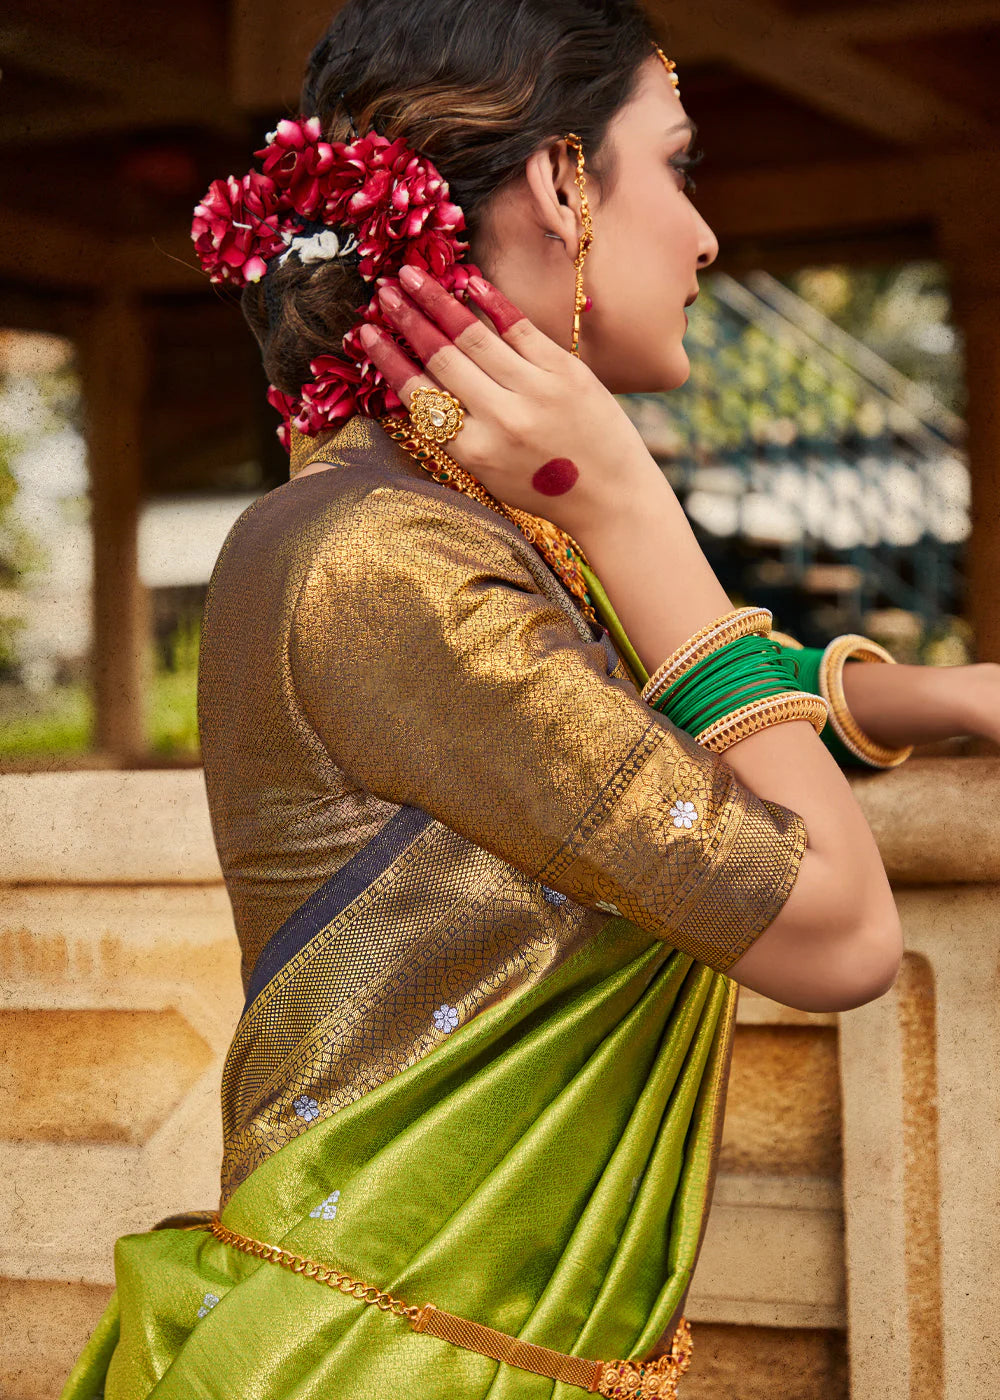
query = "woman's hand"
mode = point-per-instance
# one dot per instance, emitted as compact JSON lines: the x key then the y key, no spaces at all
{"x":541,"y":432}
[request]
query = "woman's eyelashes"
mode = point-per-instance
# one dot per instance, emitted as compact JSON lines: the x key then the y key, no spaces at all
{"x":682,"y":162}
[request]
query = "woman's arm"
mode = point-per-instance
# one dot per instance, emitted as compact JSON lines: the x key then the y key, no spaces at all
{"x":836,"y":943}
{"x":899,"y":705}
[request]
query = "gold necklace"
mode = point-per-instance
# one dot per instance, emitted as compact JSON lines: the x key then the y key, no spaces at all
{"x":559,"y":549}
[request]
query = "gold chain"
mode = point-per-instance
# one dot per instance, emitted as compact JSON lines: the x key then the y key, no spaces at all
{"x":586,"y":239}
{"x":558,"y":548}
{"x":631,"y":1380}
{"x":311,"y":1268}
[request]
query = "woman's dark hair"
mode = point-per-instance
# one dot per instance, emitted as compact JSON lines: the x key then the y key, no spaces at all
{"x":474,"y":85}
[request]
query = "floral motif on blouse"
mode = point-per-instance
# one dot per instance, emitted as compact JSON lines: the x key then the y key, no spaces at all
{"x":306,"y":1108}
{"x":553,"y":896}
{"x":327,"y":1209}
{"x":684,"y":814}
{"x":446,"y":1018}
{"x":207,"y":1304}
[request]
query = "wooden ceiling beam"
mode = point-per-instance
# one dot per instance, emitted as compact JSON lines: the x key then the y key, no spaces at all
{"x":57,"y":255}
{"x":904,"y":20}
{"x":824,"y":73}
{"x":145,"y":91}
{"x":848,"y":198}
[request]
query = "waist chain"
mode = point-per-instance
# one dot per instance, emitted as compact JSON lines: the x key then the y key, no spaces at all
{"x":636,"y":1380}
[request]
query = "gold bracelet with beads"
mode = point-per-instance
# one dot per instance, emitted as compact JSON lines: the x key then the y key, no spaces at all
{"x":853,"y":647}
{"x":741,"y":622}
{"x":762,"y":714}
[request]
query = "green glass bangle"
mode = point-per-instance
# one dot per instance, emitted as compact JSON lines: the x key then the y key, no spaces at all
{"x":809,"y":659}
{"x":741,"y":672}
{"x":738,"y":661}
{"x":723,"y":685}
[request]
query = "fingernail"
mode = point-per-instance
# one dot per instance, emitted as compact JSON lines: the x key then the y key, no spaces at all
{"x":411,"y":277}
{"x":368,"y":336}
{"x":480,"y":287}
{"x":389,"y":297}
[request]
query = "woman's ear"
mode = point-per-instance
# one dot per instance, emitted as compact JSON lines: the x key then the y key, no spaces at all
{"x":553,"y":194}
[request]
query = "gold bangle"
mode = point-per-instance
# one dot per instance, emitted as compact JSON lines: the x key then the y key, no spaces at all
{"x":831,"y":684}
{"x":784,"y":640}
{"x":741,"y":622}
{"x":762,"y":714}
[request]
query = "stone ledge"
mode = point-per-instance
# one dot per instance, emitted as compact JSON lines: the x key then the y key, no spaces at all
{"x":936,"y":820}
{"x":94,"y":827}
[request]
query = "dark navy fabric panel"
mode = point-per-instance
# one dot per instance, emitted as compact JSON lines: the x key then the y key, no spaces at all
{"x":334,"y":895}
{"x":610,"y":654}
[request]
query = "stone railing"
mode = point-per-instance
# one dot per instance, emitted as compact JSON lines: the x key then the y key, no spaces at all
{"x":854,"y":1235}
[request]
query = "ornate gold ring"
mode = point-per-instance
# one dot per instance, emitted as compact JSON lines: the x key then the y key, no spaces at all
{"x":436,"y":414}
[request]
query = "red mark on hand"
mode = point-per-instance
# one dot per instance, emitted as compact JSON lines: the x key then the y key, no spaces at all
{"x":502,"y":313}
{"x":556,"y":477}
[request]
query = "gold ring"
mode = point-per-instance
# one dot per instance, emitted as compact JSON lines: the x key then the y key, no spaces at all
{"x":435,"y":413}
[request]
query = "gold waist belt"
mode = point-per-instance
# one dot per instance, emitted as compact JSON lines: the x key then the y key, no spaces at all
{"x":636,"y":1380}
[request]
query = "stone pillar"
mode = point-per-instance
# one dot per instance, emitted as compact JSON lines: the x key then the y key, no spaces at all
{"x":968,"y":236}
{"x":113,"y":374}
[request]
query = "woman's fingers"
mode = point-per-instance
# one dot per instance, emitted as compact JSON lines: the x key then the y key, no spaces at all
{"x":401,"y":373}
{"x":520,"y":333}
{"x":442,"y":356}
{"x":503,"y":356}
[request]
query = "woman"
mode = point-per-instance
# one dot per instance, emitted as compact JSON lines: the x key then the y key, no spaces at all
{"x":495,"y":883}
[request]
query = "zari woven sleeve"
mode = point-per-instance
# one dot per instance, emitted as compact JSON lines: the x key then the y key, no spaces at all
{"x":442,"y":672}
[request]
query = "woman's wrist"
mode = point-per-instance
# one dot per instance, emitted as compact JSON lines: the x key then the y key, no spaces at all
{"x":899,"y":705}
{"x":643,"y":549}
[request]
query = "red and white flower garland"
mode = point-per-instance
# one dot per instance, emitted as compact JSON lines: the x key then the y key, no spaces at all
{"x":394,"y":201}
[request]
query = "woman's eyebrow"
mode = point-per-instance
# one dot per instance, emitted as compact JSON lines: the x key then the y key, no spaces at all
{"x":686,"y":125}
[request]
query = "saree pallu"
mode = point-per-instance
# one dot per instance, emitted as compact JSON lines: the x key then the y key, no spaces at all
{"x":545,"y":1168}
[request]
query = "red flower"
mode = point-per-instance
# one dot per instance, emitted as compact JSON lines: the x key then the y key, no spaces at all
{"x":286,"y":406}
{"x":396,"y":202}
{"x":329,"y":397}
{"x":237,"y":227}
{"x":455,"y":279}
{"x":362,"y":178}
{"x":298,"y":161}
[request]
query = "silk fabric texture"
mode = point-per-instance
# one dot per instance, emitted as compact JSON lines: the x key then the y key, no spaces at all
{"x":545,"y":1166}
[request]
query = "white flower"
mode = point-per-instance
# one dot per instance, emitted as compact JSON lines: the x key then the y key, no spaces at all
{"x":607,"y":908}
{"x":207,"y":1304}
{"x":326,"y":1210}
{"x":553,"y":896}
{"x":446,"y":1018}
{"x":319,"y":247}
{"x":306,"y":1108}
{"x":684,"y":814}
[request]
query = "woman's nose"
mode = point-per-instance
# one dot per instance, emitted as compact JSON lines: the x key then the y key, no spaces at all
{"x":708,"y":244}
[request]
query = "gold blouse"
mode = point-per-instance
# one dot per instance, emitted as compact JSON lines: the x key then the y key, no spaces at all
{"x":374,"y":641}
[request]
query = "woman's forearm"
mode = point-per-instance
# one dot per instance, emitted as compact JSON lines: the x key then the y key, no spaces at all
{"x":663,"y":589}
{"x":899,"y":705}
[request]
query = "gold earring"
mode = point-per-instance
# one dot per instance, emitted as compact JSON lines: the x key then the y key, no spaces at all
{"x":581,"y":301}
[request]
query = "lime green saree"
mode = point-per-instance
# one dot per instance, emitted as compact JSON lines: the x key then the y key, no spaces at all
{"x":541,"y":1159}
{"x":582,"y":1117}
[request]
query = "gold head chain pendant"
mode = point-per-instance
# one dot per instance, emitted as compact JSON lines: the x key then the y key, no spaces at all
{"x":559,"y":549}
